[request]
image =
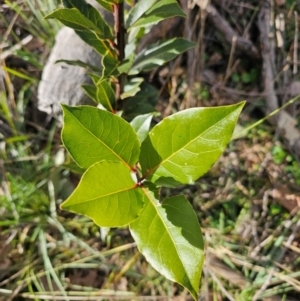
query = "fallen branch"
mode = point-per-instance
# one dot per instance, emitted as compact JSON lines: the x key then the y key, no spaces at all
{"x":284,"y":121}
{"x":228,"y":32}
{"x":267,"y":53}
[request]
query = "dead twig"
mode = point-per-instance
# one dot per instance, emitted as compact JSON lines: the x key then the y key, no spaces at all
{"x":228,"y":32}
{"x":267,"y":53}
{"x":18,"y":46}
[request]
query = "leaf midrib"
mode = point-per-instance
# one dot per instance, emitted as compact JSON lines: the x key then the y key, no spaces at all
{"x":168,"y":158}
{"x":105,"y":96}
{"x":120,"y":158}
{"x":72,"y":20}
{"x":167,"y":230}
{"x":103,"y":196}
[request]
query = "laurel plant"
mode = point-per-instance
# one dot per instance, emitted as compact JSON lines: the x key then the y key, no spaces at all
{"x":126,"y":164}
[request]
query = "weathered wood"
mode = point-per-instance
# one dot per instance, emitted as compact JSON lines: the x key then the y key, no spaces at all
{"x":61,"y":83}
{"x":227,"y":31}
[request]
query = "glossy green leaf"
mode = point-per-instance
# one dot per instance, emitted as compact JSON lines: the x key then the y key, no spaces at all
{"x":91,"y":91}
{"x":126,"y":65}
{"x":133,"y":36}
{"x":142,"y":103}
{"x":107,"y":4}
{"x":73,"y":18}
{"x":141,"y":125}
{"x":80,"y":64}
{"x":161,"y":10}
{"x":107,"y":194}
{"x":158,"y":54}
{"x":105,"y":95}
{"x":96,"y":78}
{"x":185,"y":145}
{"x":90,"y":13}
{"x":100,"y":46}
{"x":110,"y":65}
{"x":169,"y":236}
{"x":74,"y":168}
{"x":109,"y":59}
{"x":102,"y":92}
{"x":132,"y":87}
{"x":91,"y":135}
{"x":137,"y":11}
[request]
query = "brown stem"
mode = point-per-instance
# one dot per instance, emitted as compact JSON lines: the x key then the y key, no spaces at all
{"x":120,"y":32}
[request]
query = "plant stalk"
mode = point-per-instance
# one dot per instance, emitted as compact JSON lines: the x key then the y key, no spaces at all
{"x":120,"y":33}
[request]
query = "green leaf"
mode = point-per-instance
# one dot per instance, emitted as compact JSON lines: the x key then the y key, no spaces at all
{"x":91,"y":135}
{"x":161,"y":10}
{"x":100,"y":46}
{"x":73,"y":167}
{"x":74,"y":19}
{"x":125,"y":66}
{"x":107,"y":4}
{"x":109,"y":59}
{"x":92,"y":14}
{"x":105,"y":95}
{"x":132,"y":87}
{"x":80,"y":64}
{"x":107,"y":194}
{"x":142,"y":103}
{"x":185,"y":145}
{"x":141,"y":125}
{"x":135,"y":35}
{"x":169,"y":236}
{"x":96,"y":78}
{"x":137,"y":11}
{"x":91,"y":91}
{"x":109,"y":65}
{"x":158,"y":54}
